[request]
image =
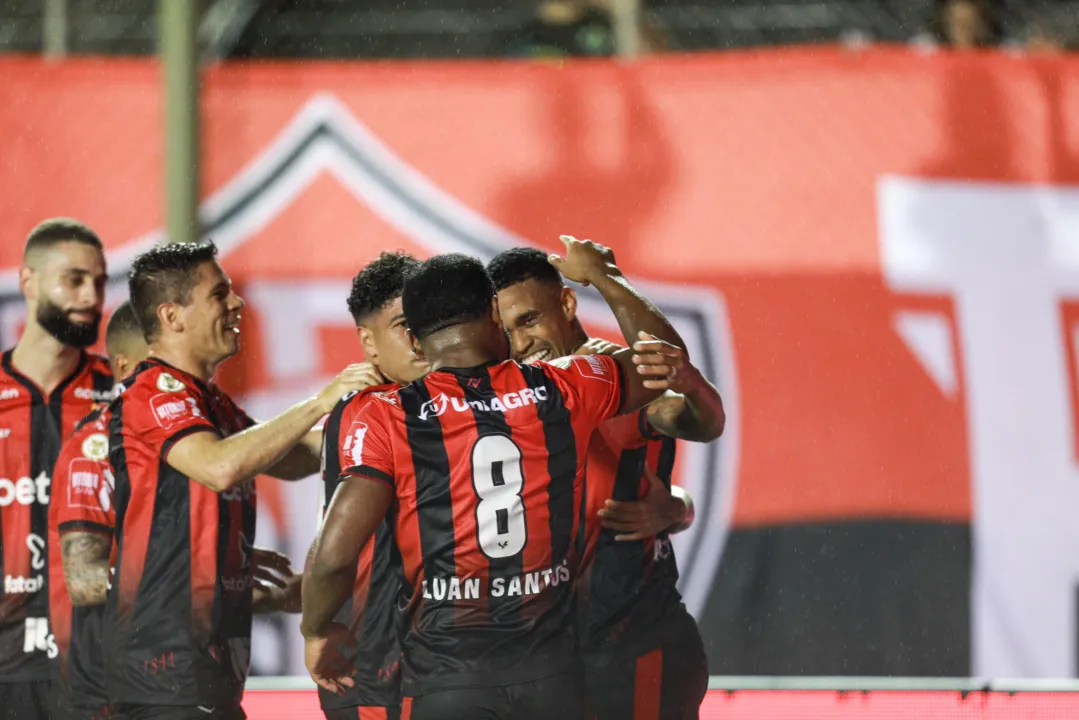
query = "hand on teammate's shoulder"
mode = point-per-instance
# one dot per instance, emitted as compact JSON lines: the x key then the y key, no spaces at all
{"x":355,"y":377}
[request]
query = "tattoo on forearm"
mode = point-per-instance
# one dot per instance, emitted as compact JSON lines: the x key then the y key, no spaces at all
{"x":86,"y":566}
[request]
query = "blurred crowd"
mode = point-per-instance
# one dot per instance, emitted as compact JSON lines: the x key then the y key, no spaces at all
{"x":586,"y":28}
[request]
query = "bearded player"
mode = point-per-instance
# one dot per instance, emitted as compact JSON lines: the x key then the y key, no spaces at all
{"x":48,"y":382}
{"x":372,"y":614}
{"x":643,"y":653}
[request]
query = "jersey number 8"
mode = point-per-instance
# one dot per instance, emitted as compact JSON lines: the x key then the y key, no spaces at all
{"x":498,"y":481}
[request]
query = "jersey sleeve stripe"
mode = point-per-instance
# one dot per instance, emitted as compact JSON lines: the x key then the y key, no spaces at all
{"x":647,"y":431}
{"x":85,"y":526}
{"x":181,"y":434}
{"x":371,"y":473}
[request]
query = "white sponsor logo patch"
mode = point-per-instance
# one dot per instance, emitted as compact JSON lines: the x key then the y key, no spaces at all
{"x":353,"y":444}
{"x":171,"y":410}
{"x":9,"y":393}
{"x":95,"y":395}
{"x":25,"y":491}
{"x":37,"y":637}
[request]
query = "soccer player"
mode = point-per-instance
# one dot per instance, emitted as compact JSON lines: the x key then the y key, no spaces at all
{"x":81,"y":523}
{"x":482,"y":462}
{"x":178,"y":613}
{"x":372,"y":612}
{"x":48,"y":382}
{"x":643,"y":652}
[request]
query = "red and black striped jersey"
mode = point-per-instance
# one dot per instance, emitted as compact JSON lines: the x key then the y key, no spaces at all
{"x":374,"y":611}
{"x":178,"y":613}
{"x":487,"y":464}
{"x":82,"y":487}
{"x":628,"y":590}
{"x":32,"y":426}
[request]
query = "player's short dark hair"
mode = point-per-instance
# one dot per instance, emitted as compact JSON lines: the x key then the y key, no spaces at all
{"x":165,"y":274}
{"x":519,"y":264}
{"x":123,"y":326}
{"x":446,"y":290}
{"x":379,"y":283}
{"x":58,"y":230}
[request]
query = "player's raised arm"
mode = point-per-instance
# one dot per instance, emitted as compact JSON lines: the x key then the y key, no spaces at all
{"x":593,"y":264}
{"x":690,"y":408}
{"x":221,"y":463}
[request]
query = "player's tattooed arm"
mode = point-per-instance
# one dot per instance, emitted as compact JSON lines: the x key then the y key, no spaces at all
{"x":86,"y":566}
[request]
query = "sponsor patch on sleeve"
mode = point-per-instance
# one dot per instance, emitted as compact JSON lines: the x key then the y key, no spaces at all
{"x":353,"y":445}
{"x":84,"y":483}
{"x":96,"y":446}
{"x":171,"y":410}
{"x":593,"y":366}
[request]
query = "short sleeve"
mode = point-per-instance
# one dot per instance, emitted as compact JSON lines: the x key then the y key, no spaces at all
{"x":630,"y":430}
{"x":364,"y":446}
{"x":165,"y":413}
{"x":85,"y":481}
{"x":596,"y":381}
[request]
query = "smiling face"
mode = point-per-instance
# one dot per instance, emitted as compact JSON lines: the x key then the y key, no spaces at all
{"x":210,"y":320}
{"x":539,"y":317}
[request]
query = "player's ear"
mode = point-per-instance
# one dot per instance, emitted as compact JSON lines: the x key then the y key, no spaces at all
{"x":569,"y":303}
{"x":26,"y":283}
{"x":496,"y":314}
{"x":170,"y":315}
{"x":367,"y":342}
{"x":414,"y":344}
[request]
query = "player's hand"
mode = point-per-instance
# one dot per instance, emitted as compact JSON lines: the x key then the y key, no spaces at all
{"x":358,"y":376}
{"x":326,"y":662}
{"x":598,"y":346}
{"x":664,"y":365}
{"x":642,"y":519}
{"x":270,"y":567}
{"x":585,"y":260}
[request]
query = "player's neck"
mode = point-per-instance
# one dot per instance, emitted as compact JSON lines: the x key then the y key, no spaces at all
{"x":462,"y":350}
{"x":44,"y":359}
{"x":183,"y":359}
{"x":579,"y":338}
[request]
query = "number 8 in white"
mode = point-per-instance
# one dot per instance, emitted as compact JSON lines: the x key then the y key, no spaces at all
{"x":498,"y":481}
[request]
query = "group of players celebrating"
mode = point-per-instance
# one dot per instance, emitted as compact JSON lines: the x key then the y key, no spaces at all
{"x":495,"y":532}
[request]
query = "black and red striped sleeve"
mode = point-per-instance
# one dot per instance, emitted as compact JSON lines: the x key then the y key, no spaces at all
{"x":166,"y":412}
{"x":84,"y":480}
{"x":364,"y":444}
{"x":595,"y":383}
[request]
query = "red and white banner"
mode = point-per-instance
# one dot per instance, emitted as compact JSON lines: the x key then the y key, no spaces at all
{"x":873,"y":254}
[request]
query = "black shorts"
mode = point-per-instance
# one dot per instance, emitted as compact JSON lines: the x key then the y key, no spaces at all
{"x":668,"y":682}
{"x":363,"y":713}
{"x":180,"y":712}
{"x":560,"y":697}
{"x":31,"y":701}
{"x":105,"y":712}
